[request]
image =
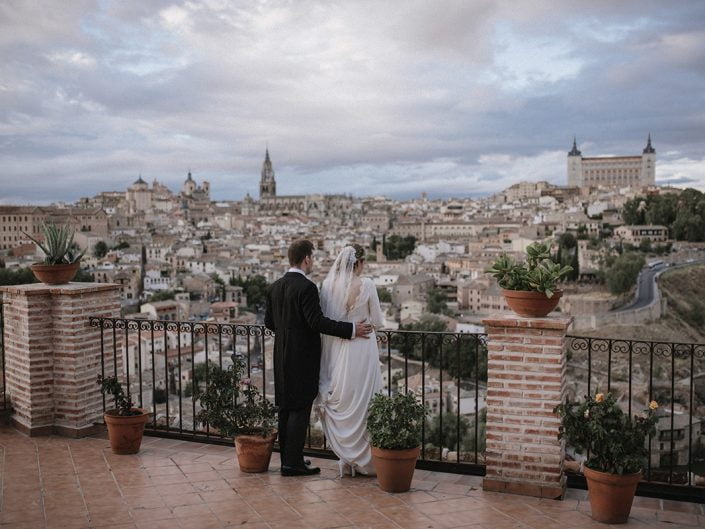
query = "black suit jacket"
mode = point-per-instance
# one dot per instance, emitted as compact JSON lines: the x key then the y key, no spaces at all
{"x":294,"y":314}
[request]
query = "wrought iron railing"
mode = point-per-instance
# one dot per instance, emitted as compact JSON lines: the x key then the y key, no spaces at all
{"x":639,"y":371}
{"x":163,"y":361}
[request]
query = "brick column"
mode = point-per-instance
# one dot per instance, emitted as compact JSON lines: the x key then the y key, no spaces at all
{"x":52,"y":355}
{"x":525,"y":381}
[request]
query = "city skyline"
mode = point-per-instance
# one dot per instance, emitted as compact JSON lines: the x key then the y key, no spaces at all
{"x":389,"y":99}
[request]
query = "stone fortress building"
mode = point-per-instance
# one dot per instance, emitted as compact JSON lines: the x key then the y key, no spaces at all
{"x":612,"y":171}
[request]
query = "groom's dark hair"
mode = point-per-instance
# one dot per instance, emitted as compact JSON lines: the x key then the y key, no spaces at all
{"x":300,"y":250}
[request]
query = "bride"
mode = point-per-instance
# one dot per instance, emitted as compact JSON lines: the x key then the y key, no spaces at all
{"x":350,"y":373}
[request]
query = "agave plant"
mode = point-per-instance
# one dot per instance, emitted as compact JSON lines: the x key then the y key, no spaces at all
{"x":58,"y":245}
{"x":539,"y":273}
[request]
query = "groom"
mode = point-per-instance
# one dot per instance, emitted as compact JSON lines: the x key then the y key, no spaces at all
{"x":294,"y":314}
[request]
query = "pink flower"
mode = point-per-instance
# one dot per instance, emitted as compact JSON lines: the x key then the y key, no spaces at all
{"x":245,"y":382}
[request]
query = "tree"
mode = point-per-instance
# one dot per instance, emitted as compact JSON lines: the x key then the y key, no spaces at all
{"x":645,"y":246}
{"x":83,"y":276}
{"x":121,"y":245}
{"x":436,"y":301}
{"x":162,"y":295}
{"x":567,"y":240}
{"x":447,"y":436}
{"x":16,"y":276}
{"x":575,"y":263}
{"x":159,"y":396}
{"x":622,"y":274}
{"x":100,"y":249}
{"x":384,"y":295}
{"x":397,"y":248}
{"x":633,"y":212}
{"x":255,"y":289}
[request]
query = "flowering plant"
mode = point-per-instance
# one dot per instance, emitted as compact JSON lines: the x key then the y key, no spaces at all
{"x":615,"y":442}
{"x":233,"y":404}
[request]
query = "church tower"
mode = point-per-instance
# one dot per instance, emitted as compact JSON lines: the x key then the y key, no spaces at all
{"x":575,"y":166}
{"x":267,"y":184}
{"x":648,"y":164}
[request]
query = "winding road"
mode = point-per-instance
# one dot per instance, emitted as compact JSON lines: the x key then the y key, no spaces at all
{"x":646,"y":284}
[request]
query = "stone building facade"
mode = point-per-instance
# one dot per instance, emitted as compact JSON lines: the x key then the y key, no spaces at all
{"x":612,"y":171}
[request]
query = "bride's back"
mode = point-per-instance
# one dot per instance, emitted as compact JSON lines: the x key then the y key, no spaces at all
{"x":355,"y":294}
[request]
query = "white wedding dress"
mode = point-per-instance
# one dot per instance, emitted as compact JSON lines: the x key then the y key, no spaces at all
{"x":350,"y":371}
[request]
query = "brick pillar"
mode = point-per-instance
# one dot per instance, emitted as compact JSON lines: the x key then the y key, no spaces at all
{"x":52,"y":355}
{"x":525,"y":381}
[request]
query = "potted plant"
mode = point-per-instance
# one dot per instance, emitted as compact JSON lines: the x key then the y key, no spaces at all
{"x":125,"y":423}
{"x":61,"y":260}
{"x":531,"y":287}
{"x":394,"y":428}
{"x":616,"y":449}
{"x":233,"y":405}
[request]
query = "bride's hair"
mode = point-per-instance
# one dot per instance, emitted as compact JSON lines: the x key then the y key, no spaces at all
{"x":359,"y":254}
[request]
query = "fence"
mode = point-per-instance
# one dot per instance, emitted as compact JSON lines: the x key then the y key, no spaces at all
{"x":163,"y":361}
{"x":637,"y":372}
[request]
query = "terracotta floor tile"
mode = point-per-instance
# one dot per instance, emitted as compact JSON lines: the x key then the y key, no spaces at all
{"x":7,"y":517}
{"x":240,"y":516}
{"x":219,"y":495}
{"x":177,"y":500}
{"x":204,"y":521}
{"x":211,"y":485}
{"x":157,"y":513}
{"x":678,"y":518}
{"x":143,"y":502}
{"x":178,"y":488}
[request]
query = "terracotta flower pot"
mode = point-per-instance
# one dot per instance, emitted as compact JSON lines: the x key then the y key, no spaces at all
{"x":395,"y":468}
{"x":531,"y":304}
{"x":125,"y":432}
{"x":611,"y":495}
{"x":254,"y":451}
{"x":55,"y":274}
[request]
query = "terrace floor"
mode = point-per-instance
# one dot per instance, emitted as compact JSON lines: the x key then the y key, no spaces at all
{"x":49,"y":482}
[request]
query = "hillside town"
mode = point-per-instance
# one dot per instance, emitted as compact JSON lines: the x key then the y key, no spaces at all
{"x":180,"y":255}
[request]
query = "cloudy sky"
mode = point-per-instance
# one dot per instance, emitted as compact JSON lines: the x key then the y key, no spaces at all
{"x":365,"y":97}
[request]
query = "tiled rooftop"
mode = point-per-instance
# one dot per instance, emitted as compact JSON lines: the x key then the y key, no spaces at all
{"x":57,"y":482}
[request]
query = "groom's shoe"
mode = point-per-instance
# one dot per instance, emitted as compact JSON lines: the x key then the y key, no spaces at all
{"x":300,"y":471}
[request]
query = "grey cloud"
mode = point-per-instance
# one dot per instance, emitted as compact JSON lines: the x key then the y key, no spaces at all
{"x":388,"y":92}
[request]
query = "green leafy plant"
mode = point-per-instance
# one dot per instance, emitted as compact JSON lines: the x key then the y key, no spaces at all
{"x":58,"y":245}
{"x":614,"y":441}
{"x":112,"y":386}
{"x":538,"y":273}
{"x":233,"y":404}
{"x":395,"y":423}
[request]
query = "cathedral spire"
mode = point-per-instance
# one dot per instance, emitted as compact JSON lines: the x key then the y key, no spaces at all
{"x":574,"y":151}
{"x":649,"y":149}
{"x":267,"y":184}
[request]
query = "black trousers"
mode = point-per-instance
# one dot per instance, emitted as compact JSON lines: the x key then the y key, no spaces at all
{"x":293,"y":426}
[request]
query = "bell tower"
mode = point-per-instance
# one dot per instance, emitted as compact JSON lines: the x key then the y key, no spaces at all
{"x":267,"y":184}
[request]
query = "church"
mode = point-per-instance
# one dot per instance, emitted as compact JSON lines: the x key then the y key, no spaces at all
{"x":636,"y":171}
{"x":269,"y":203}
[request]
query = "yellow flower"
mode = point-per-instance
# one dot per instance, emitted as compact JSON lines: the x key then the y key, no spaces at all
{"x":653,"y":405}
{"x":599,"y":397}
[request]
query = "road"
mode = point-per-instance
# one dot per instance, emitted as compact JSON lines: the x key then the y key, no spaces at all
{"x":646,"y":284}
